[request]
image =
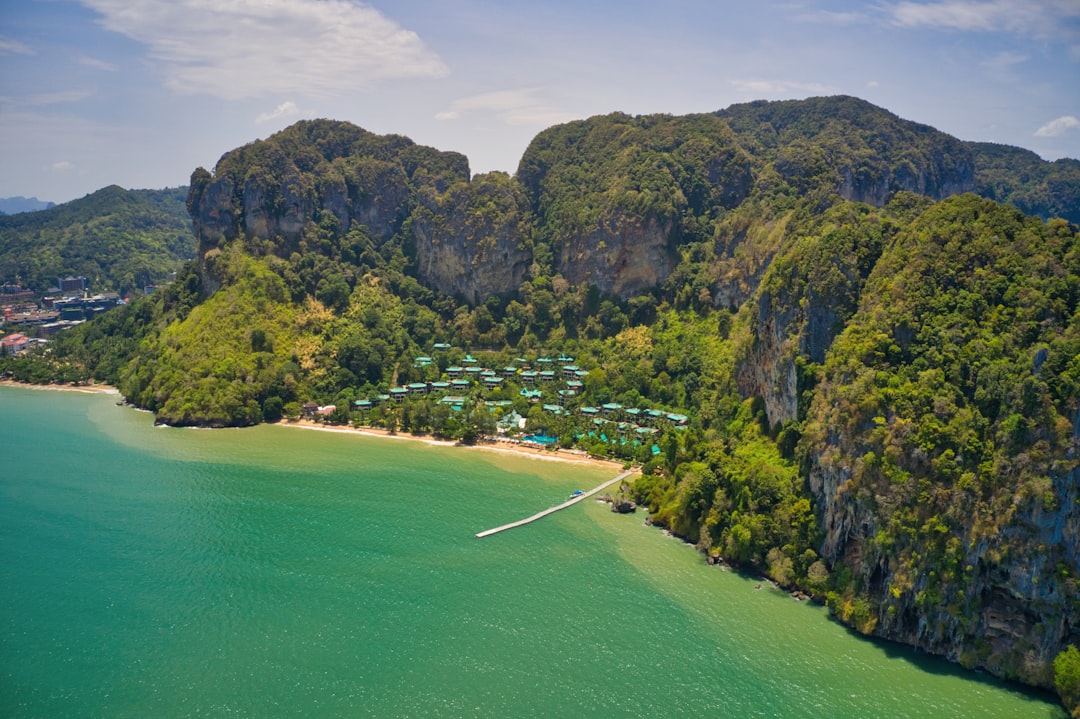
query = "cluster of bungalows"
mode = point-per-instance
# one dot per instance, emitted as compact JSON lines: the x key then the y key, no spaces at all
{"x":470,"y":373}
{"x":558,"y":380}
{"x":627,"y":419}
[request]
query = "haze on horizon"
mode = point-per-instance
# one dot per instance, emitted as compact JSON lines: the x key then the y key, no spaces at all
{"x":140,"y":92}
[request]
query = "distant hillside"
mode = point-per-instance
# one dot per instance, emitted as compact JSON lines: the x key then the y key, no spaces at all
{"x":14,"y":205}
{"x":118,"y":239}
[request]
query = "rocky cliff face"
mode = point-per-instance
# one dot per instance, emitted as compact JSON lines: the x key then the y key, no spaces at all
{"x":1015,"y":604}
{"x":473,"y":241}
{"x":624,"y":256}
{"x":276,"y":188}
{"x":943,"y":448}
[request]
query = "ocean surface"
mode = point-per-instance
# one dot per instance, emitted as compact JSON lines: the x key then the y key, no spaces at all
{"x":276,"y":572}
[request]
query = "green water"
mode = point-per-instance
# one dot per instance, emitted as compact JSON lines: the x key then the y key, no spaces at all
{"x":153,"y":572}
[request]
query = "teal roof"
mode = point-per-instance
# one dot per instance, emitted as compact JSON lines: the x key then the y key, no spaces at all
{"x":441,"y":346}
{"x":545,"y":360}
{"x":582,"y":373}
{"x":399,"y":390}
{"x":449,"y":399}
{"x":611,"y":406}
{"x":531,"y":393}
{"x":362,"y":403}
{"x":589,"y":410}
{"x":440,"y":385}
{"x":553,"y":408}
{"x":469,"y":359}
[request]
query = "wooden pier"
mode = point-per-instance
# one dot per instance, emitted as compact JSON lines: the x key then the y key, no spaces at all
{"x":552,"y":510}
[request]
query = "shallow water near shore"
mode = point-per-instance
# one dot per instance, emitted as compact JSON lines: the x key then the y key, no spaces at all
{"x":148,"y":571}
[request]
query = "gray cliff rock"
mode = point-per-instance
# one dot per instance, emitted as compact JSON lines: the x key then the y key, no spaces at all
{"x":472,"y":241}
{"x":624,"y":255}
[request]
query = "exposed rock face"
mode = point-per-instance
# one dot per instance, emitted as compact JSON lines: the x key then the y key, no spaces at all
{"x":624,"y":255}
{"x":472,"y":241}
{"x":274,"y":189}
{"x":949,"y":171}
{"x":1017,"y":609}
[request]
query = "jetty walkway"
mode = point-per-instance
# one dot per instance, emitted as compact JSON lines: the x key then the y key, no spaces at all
{"x":552,"y":510}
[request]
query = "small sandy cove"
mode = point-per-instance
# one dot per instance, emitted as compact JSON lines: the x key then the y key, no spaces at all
{"x":505,"y":446}
{"x":84,"y":388}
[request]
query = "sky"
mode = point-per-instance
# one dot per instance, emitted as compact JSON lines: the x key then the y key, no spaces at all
{"x":139,"y":93}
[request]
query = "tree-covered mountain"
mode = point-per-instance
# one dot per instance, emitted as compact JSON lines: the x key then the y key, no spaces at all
{"x":118,"y":239}
{"x":880,"y":368}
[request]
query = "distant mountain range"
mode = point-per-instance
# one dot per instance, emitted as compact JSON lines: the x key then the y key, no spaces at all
{"x":15,"y":205}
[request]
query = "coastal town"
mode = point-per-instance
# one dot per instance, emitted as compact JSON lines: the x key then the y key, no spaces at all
{"x":38,"y":317}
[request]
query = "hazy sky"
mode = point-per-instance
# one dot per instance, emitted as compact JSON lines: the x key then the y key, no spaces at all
{"x":140,"y":92}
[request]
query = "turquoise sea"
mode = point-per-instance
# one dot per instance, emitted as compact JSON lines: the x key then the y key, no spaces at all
{"x":274,"y":572}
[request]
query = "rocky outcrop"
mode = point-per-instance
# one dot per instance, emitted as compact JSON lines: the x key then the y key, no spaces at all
{"x":1013,"y":610}
{"x":473,"y":241}
{"x":330,"y":174}
{"x":625,"y":255}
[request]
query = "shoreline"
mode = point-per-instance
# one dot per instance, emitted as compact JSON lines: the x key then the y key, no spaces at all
{"x":502,"y":446}
{"x":84,"y":388}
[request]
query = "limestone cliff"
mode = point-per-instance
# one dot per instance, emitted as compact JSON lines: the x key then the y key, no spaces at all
{"x":942,"y":444}
{"x":274,"y":189}
{"x":473,"y":240}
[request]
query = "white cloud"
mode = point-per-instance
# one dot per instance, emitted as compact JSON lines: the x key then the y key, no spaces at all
{"x":1004,"y":60}
{"x":1040,"y":18}
{"x":236,"y":49}
{"x":1058,"y":127}
{"x":513,"y":107}
{"x":873,"y":83}
{"x":97,"y":64}
{"x":780,"y":87}
{"x":46,"y":98}
{"x":286,"y":109}
{"x":826,"y":17}
{"x":62,"y":166}
{"x":14,"y":47}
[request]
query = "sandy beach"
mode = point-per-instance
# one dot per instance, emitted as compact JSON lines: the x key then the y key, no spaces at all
{"x":85,"y":388}
{"x":505,"y":446}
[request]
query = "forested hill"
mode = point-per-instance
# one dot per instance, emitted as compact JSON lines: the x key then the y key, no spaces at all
{"x":879,"y":368}
{"x":118,"y":239}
